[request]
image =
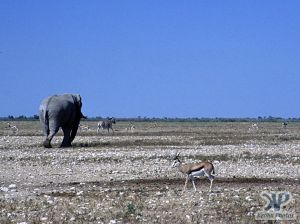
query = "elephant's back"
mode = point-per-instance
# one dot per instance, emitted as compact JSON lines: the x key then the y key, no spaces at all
{"x":58,"y":106}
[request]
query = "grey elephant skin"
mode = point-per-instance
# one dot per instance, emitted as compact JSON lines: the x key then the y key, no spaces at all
{"x":60,"y":111}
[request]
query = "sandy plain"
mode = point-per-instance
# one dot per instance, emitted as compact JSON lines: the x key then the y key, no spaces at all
{"x":126,"y":177}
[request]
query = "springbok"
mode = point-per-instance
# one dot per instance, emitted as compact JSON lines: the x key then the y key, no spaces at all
{"x":84,"y":127}
{"x":106,"y":124}
{"x":195,"y":170}
{"x":12,"y":127}
{"x":254,"y":126}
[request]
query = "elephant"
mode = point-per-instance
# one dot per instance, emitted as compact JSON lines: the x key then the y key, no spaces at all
{"x":60,"y":111}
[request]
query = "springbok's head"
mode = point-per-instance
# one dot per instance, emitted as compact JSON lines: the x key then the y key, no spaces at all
{"x":176,"y":160}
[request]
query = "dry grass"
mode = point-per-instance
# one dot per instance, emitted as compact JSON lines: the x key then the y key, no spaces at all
{"x":126,"y":177}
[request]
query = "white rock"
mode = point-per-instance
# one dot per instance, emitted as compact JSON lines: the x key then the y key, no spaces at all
{"x":79,"y":193}
{"x":12,"y":186}
{"x":5,"y":189}
{"x":248,"y":198}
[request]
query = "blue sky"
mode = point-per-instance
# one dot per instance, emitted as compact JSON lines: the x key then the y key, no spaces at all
{"x":152,"y":58}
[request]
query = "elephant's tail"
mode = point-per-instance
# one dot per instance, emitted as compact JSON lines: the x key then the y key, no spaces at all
{"x":46,"y":118}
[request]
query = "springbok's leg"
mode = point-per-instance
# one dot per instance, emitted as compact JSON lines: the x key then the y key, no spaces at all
{"x":194,"y":185}
{"x":211,"y":182}
{"x":211,"y":179}
{"x":186,"y":182}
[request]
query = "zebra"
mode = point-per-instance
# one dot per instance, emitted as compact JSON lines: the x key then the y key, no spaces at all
{"x":106,"y":124}
{"x":130,"y":128}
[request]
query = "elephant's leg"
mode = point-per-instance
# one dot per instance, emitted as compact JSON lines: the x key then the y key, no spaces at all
{"x":66,"y":141}
{"x":53,"y":129}
{"x":44,"y":122}
{"x":47,"y":142}
{"x":73,"y":133}
{"x":46,"y":131}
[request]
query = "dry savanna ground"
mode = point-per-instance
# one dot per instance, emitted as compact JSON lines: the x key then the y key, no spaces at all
{"x":126,"y":177}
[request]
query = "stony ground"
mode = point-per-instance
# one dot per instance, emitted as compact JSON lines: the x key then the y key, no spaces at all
{"x":126,"y":177}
